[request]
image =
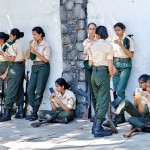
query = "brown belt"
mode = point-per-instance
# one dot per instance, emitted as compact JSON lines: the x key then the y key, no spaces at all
{"x":17,"y":62}
{"x":124,"y":60}
{"x":38,"y":63}
{"x":100,"y":68}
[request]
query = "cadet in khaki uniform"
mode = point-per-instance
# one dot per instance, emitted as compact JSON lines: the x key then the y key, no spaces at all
{"x":3,"y":62}
{"x":144,"y":101}
{"x":123,"y":54}
{"x":14,"y":54}
{"x":134,"y":110}
{"x":40,"y":70}
{"x":88,"y":69}
{"x":123,"y":49}
{"x":63,"y":103}
{"x":101,"y":58}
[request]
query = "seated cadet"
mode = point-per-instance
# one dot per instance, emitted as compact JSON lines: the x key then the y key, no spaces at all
{"x":144,"y":101}
{"x":126,"y":105}
{"x":63,"y":103}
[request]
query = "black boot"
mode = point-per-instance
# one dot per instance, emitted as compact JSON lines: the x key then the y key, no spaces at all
{"x":94,"y":123}
{"x":6,"y":115}
{"x":58,"y":120}
{"x":121,"y":119}
{"x":114,"y":120}
{"x":20,"y":112}
{"x":116,"y":102}
{"x":99,"y":131}
{"x":34,"y":115}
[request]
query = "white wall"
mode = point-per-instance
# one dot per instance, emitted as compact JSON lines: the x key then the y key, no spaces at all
{"x":135,"y":15}
{"x":26,"y":14}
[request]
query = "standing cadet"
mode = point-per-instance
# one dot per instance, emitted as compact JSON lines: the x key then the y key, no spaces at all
{"x":16,"y":71}
{"x":3,"y":62}
{"x":123,"y":48}
{"x":39,"y":52}
{"x":88,"y":69}
{"x":101,"y":58}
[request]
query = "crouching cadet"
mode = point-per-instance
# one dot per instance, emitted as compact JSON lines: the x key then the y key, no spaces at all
{"x":63,"y":103}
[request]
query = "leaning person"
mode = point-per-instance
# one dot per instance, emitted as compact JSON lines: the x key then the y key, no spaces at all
{"x":39,"y":53}
{"x":15,"y":76}
{"x":88,"y":69}
{"x":123,"y":51}
{"x":3,"y":61}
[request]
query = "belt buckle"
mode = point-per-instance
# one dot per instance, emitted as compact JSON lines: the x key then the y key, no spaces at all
{"x":118,"y":59}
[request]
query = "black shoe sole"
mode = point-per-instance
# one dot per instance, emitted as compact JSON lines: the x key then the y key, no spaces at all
{"x":99,"y":135}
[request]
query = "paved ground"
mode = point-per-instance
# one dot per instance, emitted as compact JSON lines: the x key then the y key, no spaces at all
{"x":19,"y":135}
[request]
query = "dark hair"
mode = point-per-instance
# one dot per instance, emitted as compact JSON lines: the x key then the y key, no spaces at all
{"x":62,"y":82}
{"x":102,"y":31}
{"x":144,"y":77}
{"x":4,"y":36}
{"x":121,"y":25}
{"x":148,"y":78}
{"x":39,"y":30}
{"x":92,"y":23}
{"x":17,"y":33}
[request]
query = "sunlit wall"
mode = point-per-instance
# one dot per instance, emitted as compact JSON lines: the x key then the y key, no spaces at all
{"x":26,"y":14}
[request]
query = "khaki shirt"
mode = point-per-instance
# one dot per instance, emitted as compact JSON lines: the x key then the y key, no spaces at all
{"x":118,"y":51}
{"x":43,"y":49}
{"x":100,"y":53}
{"x":67,"y":99}
{"x":86,"y":45}
{"x":16,"y":49}
{"x":2,"y":59}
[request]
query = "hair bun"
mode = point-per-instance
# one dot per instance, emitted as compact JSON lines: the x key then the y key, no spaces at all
{"x":6,"y":37}
{"x":21,"y":34}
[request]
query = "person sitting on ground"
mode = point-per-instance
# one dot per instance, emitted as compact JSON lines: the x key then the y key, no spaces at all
{"x":144,"y":102}
{"x":134,"y":110}
{"x":63,"y":103}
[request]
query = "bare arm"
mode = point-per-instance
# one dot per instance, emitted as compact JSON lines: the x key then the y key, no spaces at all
{"x":126,"y":51}
{"x":64,"y":107}
{"x":3,"y":77}
{"x":39,"y":55}
{"x":52,"y":103}
{"x":110,"y":67}
{"x":90,"y":63}
{"x":141,"y":107}
{"x":9,"y":58}
{"x":28,"y":53}
{"x":135,"y":102}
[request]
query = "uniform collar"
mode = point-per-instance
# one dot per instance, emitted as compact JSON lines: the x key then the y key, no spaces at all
{"x":42,"y":43}
{"x":91,"y":40}
{"x":116,"y":37}
{"x":101,"y":39}
{"x":59,"y":94}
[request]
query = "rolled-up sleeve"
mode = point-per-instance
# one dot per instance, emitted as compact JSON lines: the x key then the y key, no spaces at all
{"x":110,"y":53}
{"x":70,"y":103}
{"x":47,"y":52}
